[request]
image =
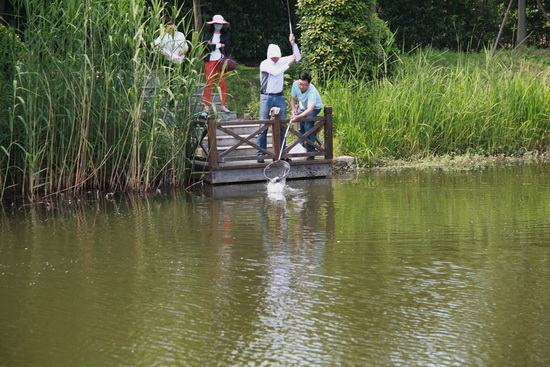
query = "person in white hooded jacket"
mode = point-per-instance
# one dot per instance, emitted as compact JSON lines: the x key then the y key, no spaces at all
{"x":272,"y":72}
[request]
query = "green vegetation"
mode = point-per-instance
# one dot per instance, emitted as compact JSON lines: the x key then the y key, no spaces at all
{"x":10,"y":52}
{"x":335,"y":33}
{"x":243,"y":87}
{"x":441,"y":103}
{"x":77,"y":114}
{"x":461,"y":24}
{"x":78,"y":118}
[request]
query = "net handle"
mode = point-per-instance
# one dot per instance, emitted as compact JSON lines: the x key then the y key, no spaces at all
{"x":284,"y":139}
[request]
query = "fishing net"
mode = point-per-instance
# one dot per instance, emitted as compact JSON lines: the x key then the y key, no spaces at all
{"x":277,"y":171}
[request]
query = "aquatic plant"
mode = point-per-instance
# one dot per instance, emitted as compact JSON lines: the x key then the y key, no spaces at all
{"x":431,"y":106}
{"x":94,"y":106}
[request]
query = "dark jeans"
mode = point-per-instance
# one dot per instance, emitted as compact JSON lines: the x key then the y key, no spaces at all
{"x":306,"y":126}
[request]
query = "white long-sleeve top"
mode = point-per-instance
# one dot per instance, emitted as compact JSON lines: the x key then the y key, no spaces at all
{"x":173,"y":45}
{"x":272,"y":73}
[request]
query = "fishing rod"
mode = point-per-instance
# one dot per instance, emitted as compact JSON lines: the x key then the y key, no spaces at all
{"x":289,"y":18}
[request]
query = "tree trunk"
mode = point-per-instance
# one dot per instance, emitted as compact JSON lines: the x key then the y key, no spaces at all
{"x":2,"y":8}
{"x":197,"y":14}
{"x":522,"y":26}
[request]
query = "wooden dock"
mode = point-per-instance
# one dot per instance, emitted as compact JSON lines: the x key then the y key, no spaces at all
{"x":226,"y":151}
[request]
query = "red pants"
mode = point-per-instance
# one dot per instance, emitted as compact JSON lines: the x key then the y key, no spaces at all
{"x":212,"y":74}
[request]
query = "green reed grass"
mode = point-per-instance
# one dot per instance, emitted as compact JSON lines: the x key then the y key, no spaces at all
{"x":79,"y":119}
{"x":432,"y":106}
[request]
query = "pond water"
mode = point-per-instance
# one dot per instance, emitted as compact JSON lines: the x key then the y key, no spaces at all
{"x":387,"y":268}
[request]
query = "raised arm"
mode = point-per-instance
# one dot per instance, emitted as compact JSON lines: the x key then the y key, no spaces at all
{"x":295,"y":49}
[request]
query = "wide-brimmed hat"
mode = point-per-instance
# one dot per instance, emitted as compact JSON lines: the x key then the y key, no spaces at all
{"x":218,"y":19}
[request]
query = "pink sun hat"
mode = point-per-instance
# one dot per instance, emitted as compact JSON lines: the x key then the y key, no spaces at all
{"x":218,"y":19}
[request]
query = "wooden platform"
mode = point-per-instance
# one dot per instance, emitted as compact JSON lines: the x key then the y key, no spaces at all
{"x":226,"y":151}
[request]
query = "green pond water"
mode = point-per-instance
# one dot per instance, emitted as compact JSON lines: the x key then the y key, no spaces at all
{"x":387,"y":268}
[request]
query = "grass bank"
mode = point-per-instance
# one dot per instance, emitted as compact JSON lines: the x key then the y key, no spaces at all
{"x":441,"y":103}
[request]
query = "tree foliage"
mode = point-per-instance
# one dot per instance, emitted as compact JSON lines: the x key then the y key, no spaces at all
{"x":254,"y":24}
{"x":342,"y":34}
{"x":460,"y":24}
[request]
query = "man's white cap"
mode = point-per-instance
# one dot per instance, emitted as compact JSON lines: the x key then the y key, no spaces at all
{"x":273,"y":51}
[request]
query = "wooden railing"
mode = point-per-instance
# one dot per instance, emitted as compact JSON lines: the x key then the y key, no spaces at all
{"x":216,"y":157}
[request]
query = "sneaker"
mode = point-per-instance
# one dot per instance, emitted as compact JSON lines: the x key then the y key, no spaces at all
{"x":224,"y":109}
{"x":260,"y":160}
{"x":310,"y":158}
{"x":207,"y":109}
{"x":288,"y":160}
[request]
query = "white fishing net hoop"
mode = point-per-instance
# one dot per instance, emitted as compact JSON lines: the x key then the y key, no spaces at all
{"x":277,"y":170}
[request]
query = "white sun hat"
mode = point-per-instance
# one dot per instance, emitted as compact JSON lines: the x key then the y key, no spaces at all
{"x":218,"y":19}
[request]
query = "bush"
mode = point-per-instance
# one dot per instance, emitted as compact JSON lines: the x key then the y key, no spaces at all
{"x":338,"y":33}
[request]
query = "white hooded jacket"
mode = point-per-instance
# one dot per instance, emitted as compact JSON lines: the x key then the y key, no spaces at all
{"x":272,"y":73}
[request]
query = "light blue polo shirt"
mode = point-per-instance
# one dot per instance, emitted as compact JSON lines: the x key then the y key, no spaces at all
{"x":310,"y":96}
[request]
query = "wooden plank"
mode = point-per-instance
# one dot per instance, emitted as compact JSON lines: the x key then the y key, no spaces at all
{"x":212,"y":149}
{"x":310,"y":170}
{"x":250,"y":174}
{"x":240,"y":140}
{"x":257,"y":189}
{"x":328,"y":132}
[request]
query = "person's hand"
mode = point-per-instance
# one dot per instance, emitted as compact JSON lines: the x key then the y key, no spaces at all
{"x":291,"y":38}
{"x":292,"y":60}
{"x":222,"y":45}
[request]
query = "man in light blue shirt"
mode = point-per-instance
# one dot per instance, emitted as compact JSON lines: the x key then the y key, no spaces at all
{"x":309,"y":105}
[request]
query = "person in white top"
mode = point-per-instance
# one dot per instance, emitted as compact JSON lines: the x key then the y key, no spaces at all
{"x":172,"y":43}
{"x":272,"y":77}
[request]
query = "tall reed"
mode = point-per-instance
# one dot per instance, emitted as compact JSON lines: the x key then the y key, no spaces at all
{"x":79,"y":119}
{"x":430,"y":106}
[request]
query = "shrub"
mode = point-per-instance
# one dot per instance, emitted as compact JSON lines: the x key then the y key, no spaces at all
{"x":338,"y":33}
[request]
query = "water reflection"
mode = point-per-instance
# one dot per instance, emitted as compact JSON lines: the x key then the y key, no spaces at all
{"x":390,"y":268}
{"x":292,"y":233}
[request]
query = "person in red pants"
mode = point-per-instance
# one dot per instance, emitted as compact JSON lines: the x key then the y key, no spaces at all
{"x":218,"y":44}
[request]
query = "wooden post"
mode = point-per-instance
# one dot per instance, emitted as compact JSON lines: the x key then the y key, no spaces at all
{"x":328,"y":132}
{"x":212,"y":142}
{"x":276,"y":136}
